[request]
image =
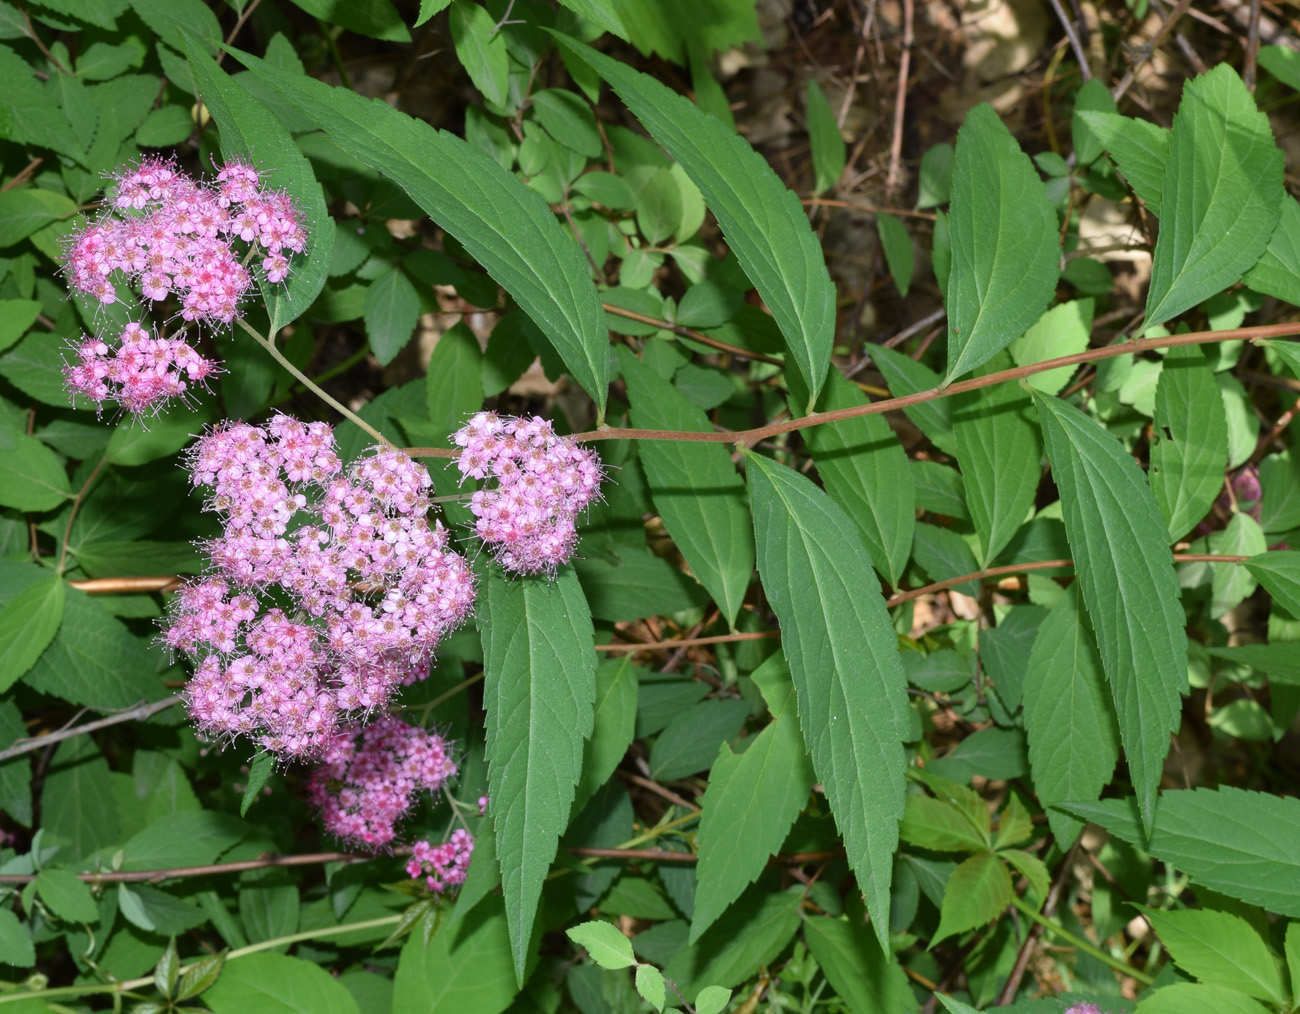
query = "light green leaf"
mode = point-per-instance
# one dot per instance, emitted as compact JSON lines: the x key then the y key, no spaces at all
{"x":25,"y":210}
{"x":650,"y":984}
{"x":1000,"y":453}
{"x":868,"y":979}
{"x":1279,"y":573}
{"x":1032,"y":869}
{"x":16,"y":941}
{"x":906,"y":376}
{"x":607,"y":946}
{"x":763,"y":222}
{"x":1121,"y":552}
{"x":378,"y":19}
{"x":1222,"y":194}
{"x":955,"y":1006}
{"x":67,"y":897}
{"x":568,"y":119}
{"x":1003,"y":231}
{"x":749,"y":935}
{"x":695,"y":487}
{"x":1280,"y":661}
{"x":481,"y":50}
{"x":977,"y":893}
{"x":277,"y":984}
{"x":1189,"y":441}
{"x":1061,"y":331}
{"x":1220,"y":949}
{"x":712,"y":1000}
{"x":539,"y":692}
{"x":828,"y":151}
{"x":751,"y":802}
{"x":897,"y":244}
{"x":1238,"y":843}
{"x":935,"y":184}
{"x":1292,"y":948}
{"x":1094,"y":96}
{"x":250,"y":131}
{"x":1277,"y":272}
{"x":1073,"y":741}
{"x":613,"y":729}
{"x":864,"y":469}
{"x":1195,"y":998}
{"x":259,"y":770}
{"x":31,"y":475}
{"x":28,"y":623}
{"x":940,"y":825}
{"x":1140,"y":149}
{"x":1232,"y":582}
{"x":943,"y":554}
{"x":844,"y":658}
{"x":504,"y":226}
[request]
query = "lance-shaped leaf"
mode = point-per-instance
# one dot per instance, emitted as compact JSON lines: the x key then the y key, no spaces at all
{"x":752,"y":800}
{"x":1242,"y":844}
{"x":1002,"y":227}
{"x":864,"y":469}
{"x":1221,"y":198}
{"x":1073,"y":742}
{"x":1121,"y":551}
{"x":1189,"y":443}
{"x":539,"y":691}
{"x":505,"y":226}
{"x":695,"y":487}
{"x":1278,"y":271}
{"x":764,"y":223}
{"x":250,"y":131}
{"x":1000,"y":453}
{"x":843,"y":655}
{"x":1220,"y":949}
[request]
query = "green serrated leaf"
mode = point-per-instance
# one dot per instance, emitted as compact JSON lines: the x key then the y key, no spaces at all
{"x":712,"y":1000}
{"x":748,"y":936}
{"x":695,"y":487}
{"x":392,"y":310}
{"x":1139,"y":148}
{"x":66,"y":895}
{"x":32,"y":478}
{"x":1073,"y":741}
{"x":1279,"y":573}
{"x":481,"y":50}
{"x":828,"y":151}
{"x":866,"y":977}
{"x":1014,"y":825}
{"x":906,"y":376}
{"x":1196,"y":998}
{"x":1000,"y":452}
{"x":1032,"y":869}
{"x":1235,"y":842}
{"x":1220,"y":949}
{"x":167,"y":969}
{"x":613,"y":728}
{"x":939,"y":825}
{"x":1094,"y":96}
{"x":763,"y":221}
{"x":568,"y":119}
{"x":650,"y":984}
{"x":278,"y":984}
{"x":539,"y":692}
{"x":504,"y":226}
{"x":259,"y":770}
{"x":751,"y":802}
{"x":978,"y":891}
{"x":250,"y":131}
{"x":1121,"y":552}
{"x":1233,"y":582}
{"x":199,"y":976}
{"x":1061,"y":331}
{"x":378,"y":19}
{"x":1277,"y":272}
{"x":1221,"y":196}
{"x":1003,"y":231}
{"x":29,"y":116}
{"x":842,"y":651}
{"x":1189,"y":440}
{"x":28,"y":624}
{"x":16,"y":941}
{"x":607,"y":946}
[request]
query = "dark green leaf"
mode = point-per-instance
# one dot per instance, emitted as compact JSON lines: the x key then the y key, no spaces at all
{"x":28,"y":623}
{"x":1235,"y":842}
{"x":67,"y":897}
{"x":763,"y":222}
{"x":1278,"y":272}
{"x":172,"y":20}
{"x":1073,"y":742}
{"x":1279,"y":573}
{"x":691,"y":741}
{"x":504,"y":226}
{"x":844,"y":658}
{"x":1121,"y":552}
{"x":1189,"y":441}
{"x":1005,"y":650}
{"x":751,"y":801}
{"x":481,"y":50}
{"x":897,"y":244}
{"x":191,"y":838}
{"x":569,"y":120}
{"x":464,"y":969}
{"x":165,"y":128}
{"x":25,"y":210}
{"x":378,"y":19}
{"x":1139,"y":148}
{"x":392,"y":310}
{"x":15,"y":940}
{"x":1196,"y":998}
{"x":906,"y":376}
{"x":613,"y":728}
{"x":276,"y":984}
{"x":259,"y":770}
{"x":1222,"y":194}
{"x":993,"y":753}
{"x":31,"y":475}
{"x":943,"y":554}
{"x":639,"y":584}
{"x":867,"y":978}
{"x":749,"y":935}
{"x":139,"y":440}
{"x":1004,"y":243}
{"x":29,"y":116}
{"x":539,"y":692}
{"x":77,"y":798}
{"x":696,"y":489}
{"x":1219,"y":949}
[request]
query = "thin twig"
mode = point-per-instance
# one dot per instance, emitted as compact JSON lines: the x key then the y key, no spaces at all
{"x":894,"y":177}
{"x":1252,"y":46}
{"x":139,"y":713}
{"x":870,"y":209}
{"x":127,"y":585}
{"x":1080,"y":54}
{"x":686,"y":332}
{"x":22,"y":176}
{"x":1012,"y":987}
{"x":244,"y":15}
{"x":688,"y":642}
{"x":1147,"y":51}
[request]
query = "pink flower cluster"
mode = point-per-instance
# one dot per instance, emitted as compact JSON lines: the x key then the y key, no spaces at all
{"x":368,"y":778}
{"x":543,"y":481}
{"x":139,"y":372}
{"x":442,"y":866}
{"x":166,"y":235}
{"x":328,"y":590}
